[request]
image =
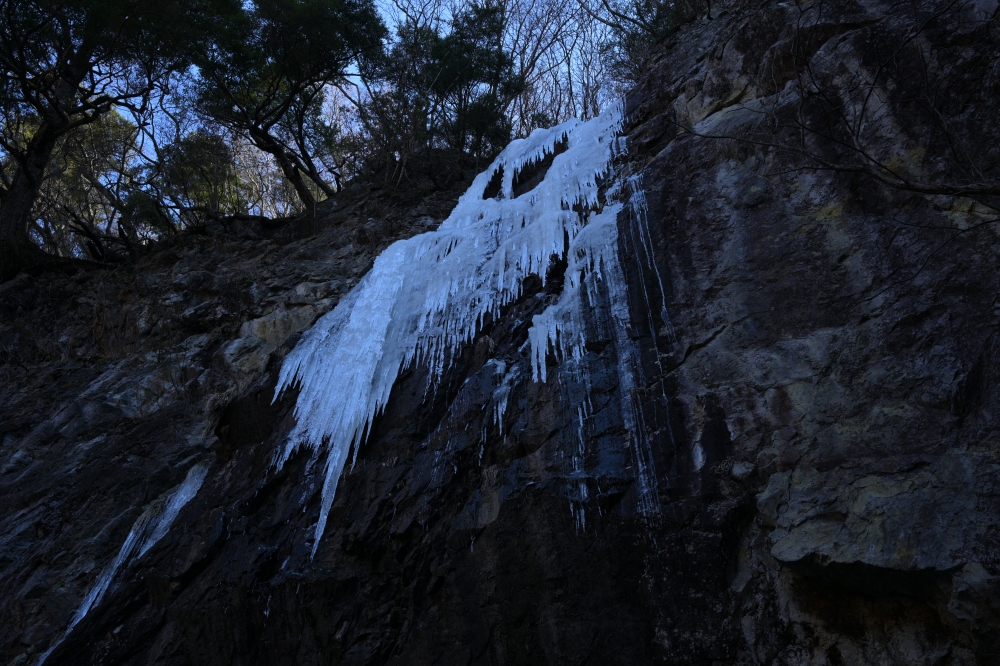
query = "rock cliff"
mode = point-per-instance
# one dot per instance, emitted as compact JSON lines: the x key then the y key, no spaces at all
{"x":806,"y":473}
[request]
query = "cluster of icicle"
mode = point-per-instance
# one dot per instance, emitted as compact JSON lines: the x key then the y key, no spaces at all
{"x":151,"y":526}
{"x":427,"y":296}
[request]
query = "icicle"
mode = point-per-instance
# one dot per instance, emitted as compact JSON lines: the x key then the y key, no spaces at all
{"x":502,"y":394}
{"x":151,"y":526}
{"x":426,"y":296}
{"x":637,"y":209}
{"x":629,"y":380}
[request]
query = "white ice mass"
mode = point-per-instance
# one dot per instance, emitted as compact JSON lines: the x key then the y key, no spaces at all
{"x":427,"y":296}
{"x":151,"y":526}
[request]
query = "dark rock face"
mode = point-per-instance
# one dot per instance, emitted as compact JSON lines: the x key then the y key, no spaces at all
{"x":841,"y":329}
{"x":810,"y":480}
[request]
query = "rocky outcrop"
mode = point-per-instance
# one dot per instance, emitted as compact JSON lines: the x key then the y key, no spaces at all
{"x":838,"y":331}
{"x":805,"y":474}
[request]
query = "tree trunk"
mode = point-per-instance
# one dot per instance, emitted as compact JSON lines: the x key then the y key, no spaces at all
{"x":17,"y":251}
{"x":294,"y":176}
{"x":318,"y":180}
{"x":266,"y":142}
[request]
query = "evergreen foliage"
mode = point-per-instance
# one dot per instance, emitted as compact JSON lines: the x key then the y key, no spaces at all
{"x":67,"y":63}
{"x":443,"y":96}
{"x":264,"y":77}
{"x":123,"y":120}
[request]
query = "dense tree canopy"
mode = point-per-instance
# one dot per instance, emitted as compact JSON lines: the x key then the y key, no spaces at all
{"x":264,"y":77}
{"x":66,"y":63}
{"x":445,"y":91}
{"x":475,"y":80}
{"x":124,"y":120}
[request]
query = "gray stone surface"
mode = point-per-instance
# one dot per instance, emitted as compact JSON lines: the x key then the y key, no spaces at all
{"x":818,"y":406}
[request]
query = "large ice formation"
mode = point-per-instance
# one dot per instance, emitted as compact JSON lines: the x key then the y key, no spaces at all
{"x":427,"y":296}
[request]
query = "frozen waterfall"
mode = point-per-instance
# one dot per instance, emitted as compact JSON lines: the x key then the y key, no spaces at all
{"x":427,"y":296}
{"x":151,"y":526}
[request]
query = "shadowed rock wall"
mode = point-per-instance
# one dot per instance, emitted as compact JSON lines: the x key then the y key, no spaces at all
{"x":817,"y":418}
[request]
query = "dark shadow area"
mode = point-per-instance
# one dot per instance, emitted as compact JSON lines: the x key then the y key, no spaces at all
{"x":531,"y":174}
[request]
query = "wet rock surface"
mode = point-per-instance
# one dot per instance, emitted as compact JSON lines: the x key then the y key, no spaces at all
{"x":841,"y":330}
{"x":813,"y":475}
